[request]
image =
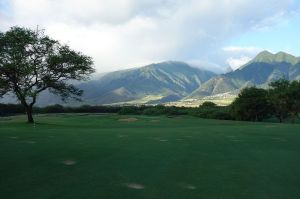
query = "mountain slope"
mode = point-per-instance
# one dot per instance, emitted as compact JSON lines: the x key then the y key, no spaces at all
{"x":263,"y":69}
{"x":155,"y":83}
{"x":167,"y":79}
{"x":177,"y":81}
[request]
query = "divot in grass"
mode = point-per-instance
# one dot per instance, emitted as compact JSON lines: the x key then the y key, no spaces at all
{"x":159,"y":139}
{"x":270,"y":126}
{"x":163,"y":140}
{"x":135,"y":186}
{"x":155,"y":121}
{"x":131,"y":119}
{"x":236,"y":140}
{"x":188,"y":186}
{"x":30,"y":142}
{"x":122,"y":136}
{"x":231,"y":136}
{"x":69,"y":162}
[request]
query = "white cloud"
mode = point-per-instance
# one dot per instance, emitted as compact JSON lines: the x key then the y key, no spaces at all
{"x":235,"y":63}
{"x":126,"y":33}
{"x":239,"y":49}
{"x":80,"y":11}
{"x":207,"y":66}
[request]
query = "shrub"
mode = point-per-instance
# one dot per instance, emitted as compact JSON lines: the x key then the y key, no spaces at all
{"x":129,"y":110}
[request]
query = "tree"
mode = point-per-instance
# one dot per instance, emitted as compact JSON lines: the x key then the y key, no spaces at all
{"x":294,"y":99}
{"x":252,"y":104}
{"x":278,"y":94}
{"x":208,"y":104}
{"x":285,"y":97}
{"x":31,"y":62}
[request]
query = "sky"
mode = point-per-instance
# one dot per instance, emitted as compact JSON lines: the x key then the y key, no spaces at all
{"x":119,"y":34}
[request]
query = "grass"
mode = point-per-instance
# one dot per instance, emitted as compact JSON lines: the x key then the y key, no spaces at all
{"x":99,"y":156}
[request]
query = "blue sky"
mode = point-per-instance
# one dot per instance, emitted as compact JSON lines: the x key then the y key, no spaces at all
{"x":5,"y":6}
{"x":119,"y":34}
{"x":280,"y":37}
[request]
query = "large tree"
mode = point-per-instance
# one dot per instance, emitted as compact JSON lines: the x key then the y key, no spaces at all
{"x":252,"y":104}
{"x":285,"y":97}
{"x":294,"y":96}
{"x":279,"y":98}
{"x":31,"y":62}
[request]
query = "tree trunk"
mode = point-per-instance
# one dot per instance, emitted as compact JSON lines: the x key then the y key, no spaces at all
{"x":27,"y":107}
{"x":280,"y":119}
{"x":293,"y":117}
{"x":29,"y":114}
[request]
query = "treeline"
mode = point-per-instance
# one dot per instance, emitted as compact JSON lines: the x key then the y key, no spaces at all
{"x":207,"y":110}
{"x":154,"y":110}
{"x":14,"y":109}
{"x":280,"y":101}
{"x":11,"y":109}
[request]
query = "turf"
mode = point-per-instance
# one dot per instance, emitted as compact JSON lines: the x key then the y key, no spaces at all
{"x":100,"y":156}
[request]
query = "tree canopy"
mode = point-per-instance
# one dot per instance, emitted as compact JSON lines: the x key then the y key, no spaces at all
{"x":281,"y":99}
{"x":31,"y":62}
{"x":285,"y":98}
{"x":251,"y":104}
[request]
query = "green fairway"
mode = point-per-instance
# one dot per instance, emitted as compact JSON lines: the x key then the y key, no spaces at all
{"x":136,"y":157}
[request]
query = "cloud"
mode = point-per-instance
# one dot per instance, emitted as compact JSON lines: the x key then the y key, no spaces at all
{"x":83,"y":11}
{"x":235,"y":63}
{"x":236,"y":56}
{"x":208,"y":66}
{"x":239,"y":49}
{"x":127,"y":33}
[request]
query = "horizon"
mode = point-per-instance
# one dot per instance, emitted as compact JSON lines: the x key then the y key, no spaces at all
{"x":128,"y":34}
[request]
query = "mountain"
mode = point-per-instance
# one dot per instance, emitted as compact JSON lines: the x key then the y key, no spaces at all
{"x":155,"y":83}
{"x":279,"y":57}
{"x":263,"y":69}
{"x":180,"y":83}
{"x":162,"y":82}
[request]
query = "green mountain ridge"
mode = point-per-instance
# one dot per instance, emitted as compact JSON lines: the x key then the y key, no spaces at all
{"x":263,"y":69}
{"x":154,"y":83}
{"x":268,"y":57}
{"x":162,"y":79}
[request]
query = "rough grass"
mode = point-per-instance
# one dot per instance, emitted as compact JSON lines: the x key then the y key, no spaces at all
{"x":97,"y":156}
